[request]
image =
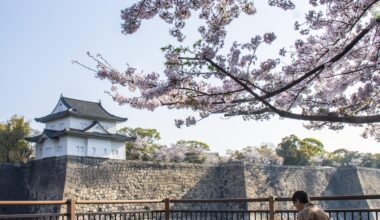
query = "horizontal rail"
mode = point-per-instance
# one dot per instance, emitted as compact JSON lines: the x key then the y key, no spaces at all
{"x":118,"y":213}
{"x":334,"y":210}
{"x":89,"y":202}
{"x":352,"y":210}
{"x":56,"y":202}
{"x":33,"y":215}
{"x":221,"y":211}
{"x":218,"y":200}
{"x":336,"y":198}
{"x":277,"y":199}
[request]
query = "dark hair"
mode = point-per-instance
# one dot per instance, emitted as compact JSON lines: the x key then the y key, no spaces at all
{"x":301,"y":196}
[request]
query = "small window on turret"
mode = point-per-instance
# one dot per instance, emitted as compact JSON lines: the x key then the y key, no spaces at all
{"x":80,"y":149}
{"x":83,"y":124}
{"x":60,"y":107}
{"x":48,"y":150}
{"x":114,"y":152}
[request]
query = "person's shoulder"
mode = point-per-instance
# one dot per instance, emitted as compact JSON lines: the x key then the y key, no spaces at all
{"x":306,"y":213}
{"x":319,"y":213}
{"x":322,"y":215}
{"x":303,"y":214}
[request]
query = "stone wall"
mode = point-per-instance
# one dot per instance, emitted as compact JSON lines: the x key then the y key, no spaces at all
{"x":283,"y":181}
{"x":45,"y":179}
{"x":370,"y":183}
{"x":87,"y":178}
{"x":232,"y":184}
{"x":12,"y":186}
{"x":12,"y":179}
{"x":95,"y":179}
{"x":37,"y":180}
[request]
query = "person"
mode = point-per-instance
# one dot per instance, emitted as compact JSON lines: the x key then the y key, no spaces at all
{"x":306,"y":209}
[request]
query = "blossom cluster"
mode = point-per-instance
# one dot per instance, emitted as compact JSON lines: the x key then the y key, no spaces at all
{"x":331,"y":79}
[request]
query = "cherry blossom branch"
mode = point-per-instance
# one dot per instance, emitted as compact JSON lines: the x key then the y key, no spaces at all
{"x":318,"y":69}
{"x":285,"y":114}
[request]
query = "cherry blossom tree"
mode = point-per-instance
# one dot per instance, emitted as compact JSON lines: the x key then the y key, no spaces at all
{"x":256,"y":155}
{"x":175,"y":153}
{"x":186,"y":151}
{"x":330,"y":80}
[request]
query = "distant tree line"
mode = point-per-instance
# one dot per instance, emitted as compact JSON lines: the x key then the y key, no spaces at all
{"x":310,"y":151}
{"x":304,"y":152}
{"x":146,"y":148}
{"x":290,"y":151}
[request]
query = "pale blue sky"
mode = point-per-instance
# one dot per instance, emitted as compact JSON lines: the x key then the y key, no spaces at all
{"x":38,"y":40}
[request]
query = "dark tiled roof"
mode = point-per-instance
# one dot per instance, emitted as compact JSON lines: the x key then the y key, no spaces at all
{"x":54,"y":116}
{"x":34,"y":138}
{"x":49,"y":133}
{"x":76,"y":132}
{"x":79,"y":108}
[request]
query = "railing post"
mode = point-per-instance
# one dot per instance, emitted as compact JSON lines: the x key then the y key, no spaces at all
{"x":272,"y":210}
{"x":167,"y":209}
{"x":72,"y":204}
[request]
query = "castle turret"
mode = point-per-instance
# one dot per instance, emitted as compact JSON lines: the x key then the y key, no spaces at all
{"x":80,"y":128}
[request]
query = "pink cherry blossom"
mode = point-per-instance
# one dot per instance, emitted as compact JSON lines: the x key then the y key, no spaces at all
{"x":330,"y":78}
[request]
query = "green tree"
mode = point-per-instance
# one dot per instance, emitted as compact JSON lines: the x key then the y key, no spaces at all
{"x":310,"y":149}
{"x":235,"y":155}
{"x":268,"y":155}
{"x":13,"y":147}
{"x":288,"y":149}
{"x":195,"y":151}
{"x":145,"y":145}
{"x":295,"y":151}
{"x":343,"y":157}
{"x":370,"y":160}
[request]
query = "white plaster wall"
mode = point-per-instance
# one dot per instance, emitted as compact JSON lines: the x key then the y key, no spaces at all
{"x":99,"y":148}
{"x":109,"y":126}
{"x":73,"y":143}
{"x":38,"y":151}
{"x":59,"y":107}
{"x":81,"y":146}
{"x":61,"y":146}
{"x":58,"y":124}
{"x":79,"y":123}
{"x":48,"y":148}
{"x":97,"y":128}
{"x":52,"y":148}
{"x":120,"y":147}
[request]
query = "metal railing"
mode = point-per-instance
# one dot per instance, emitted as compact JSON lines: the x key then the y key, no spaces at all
{"x":171,"y":211}
{"x":337,"y":214}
